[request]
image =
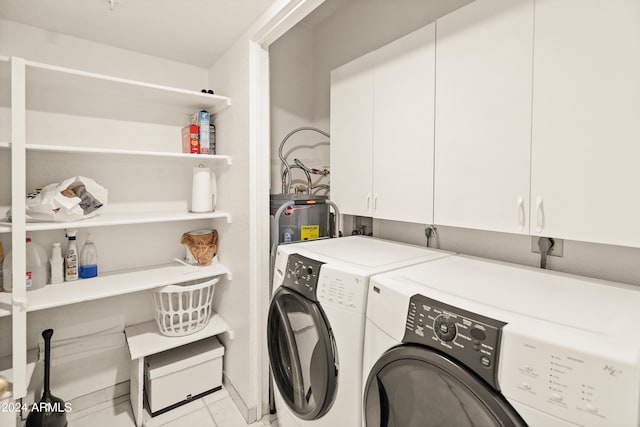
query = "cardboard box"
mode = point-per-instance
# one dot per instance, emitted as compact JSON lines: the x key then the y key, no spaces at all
{"x":191,"y":139}
{"x":180,"y":375}
{"x":202,"y":120}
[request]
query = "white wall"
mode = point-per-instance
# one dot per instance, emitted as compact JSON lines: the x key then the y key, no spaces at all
{"x":291,"y":60}
{"x":230,"y":75}
{"x":607,"y":262}
{"x":45,"y":46}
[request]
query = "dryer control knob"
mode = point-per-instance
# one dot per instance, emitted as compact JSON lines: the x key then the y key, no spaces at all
{"x":445,"y":328}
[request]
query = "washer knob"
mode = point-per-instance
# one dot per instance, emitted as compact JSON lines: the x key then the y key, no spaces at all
{"x":296,"y":272}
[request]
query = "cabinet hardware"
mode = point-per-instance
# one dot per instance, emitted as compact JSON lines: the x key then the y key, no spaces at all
{"x":521,"y":218}
{"x":539,"y":214}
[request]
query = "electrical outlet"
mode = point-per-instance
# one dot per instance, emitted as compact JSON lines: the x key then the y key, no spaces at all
{"x":556,"y":250}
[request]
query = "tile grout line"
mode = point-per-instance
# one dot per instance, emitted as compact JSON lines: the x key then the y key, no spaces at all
{"x":173,"y":420}
{"x":209,"y":411}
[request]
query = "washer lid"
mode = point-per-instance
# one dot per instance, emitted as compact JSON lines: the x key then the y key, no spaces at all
{"x":515,"y":293}
{"x":364,"y":255}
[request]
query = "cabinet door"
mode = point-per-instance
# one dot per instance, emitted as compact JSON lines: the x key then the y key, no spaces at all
{"x":483,"y":116}
{"x":586,"y":126}
{"x":404,"y":79}
{"x":351,"y":136}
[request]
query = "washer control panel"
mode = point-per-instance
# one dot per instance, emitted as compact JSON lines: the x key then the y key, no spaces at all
{"x":301,"y":275}
{"x":576,"y":378}
{"x":470,"y":338}
{"x":342,"y":289}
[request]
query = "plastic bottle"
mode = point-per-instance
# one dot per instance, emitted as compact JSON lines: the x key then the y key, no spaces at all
{"x":88,"y":259}
{"x":36,"y":266}
{"x":57,"y":264}
{"x":71,"y":257}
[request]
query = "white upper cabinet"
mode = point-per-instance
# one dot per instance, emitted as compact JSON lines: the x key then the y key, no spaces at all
{"x":483,"y":116}
{"x":586,"y":121}
{"x":382,"y":131}
{"x":351,"y":147}
{"x":403,"y":116}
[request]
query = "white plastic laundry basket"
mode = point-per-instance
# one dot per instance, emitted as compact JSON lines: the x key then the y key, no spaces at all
{"x":183,"y":309}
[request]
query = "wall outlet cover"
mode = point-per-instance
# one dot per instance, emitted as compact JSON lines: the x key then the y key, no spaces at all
{"x":556,"y":250}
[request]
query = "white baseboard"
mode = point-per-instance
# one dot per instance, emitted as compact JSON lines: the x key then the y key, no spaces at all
{"x":83,"y":405}
{"x":98,"y":400}
{"x":249,"y":414}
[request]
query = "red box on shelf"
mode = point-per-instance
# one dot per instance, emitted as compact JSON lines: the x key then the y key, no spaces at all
{"x":190,"y":139}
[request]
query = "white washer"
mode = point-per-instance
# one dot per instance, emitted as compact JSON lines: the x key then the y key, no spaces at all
{"x":470,"y":342}
{"x":316,"y":324}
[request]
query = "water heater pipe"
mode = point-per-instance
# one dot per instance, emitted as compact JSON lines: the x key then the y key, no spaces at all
{"x":286,"y":185}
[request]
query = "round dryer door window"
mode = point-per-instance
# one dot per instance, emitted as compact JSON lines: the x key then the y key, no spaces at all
{"x":412,"y":386}
{"x":302,"y":354}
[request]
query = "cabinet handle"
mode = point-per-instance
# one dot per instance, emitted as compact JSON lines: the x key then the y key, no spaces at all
{"x":375,"y":202}
{"x":521,"y":219}
{"x":539,"y":214}
{"x":368,"y":202}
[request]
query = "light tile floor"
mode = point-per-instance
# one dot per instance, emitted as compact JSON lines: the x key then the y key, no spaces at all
{"x":214,"y":410}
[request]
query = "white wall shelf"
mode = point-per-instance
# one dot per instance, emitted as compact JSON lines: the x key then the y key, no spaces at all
{"x":115,"y":152}
{"x":7,"y":372}
{"x":145,"y":339}
{"x":115,"y":283}
{"x":101,"y":95}
{"x":107,"y":219}
{"x":65,"y":119}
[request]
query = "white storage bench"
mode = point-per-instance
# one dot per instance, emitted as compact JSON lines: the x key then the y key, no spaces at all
{"x":144,"y":341}
{"x":177,"y":376}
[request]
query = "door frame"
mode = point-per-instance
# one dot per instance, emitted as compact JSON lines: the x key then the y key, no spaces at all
{"x":276,"y":21}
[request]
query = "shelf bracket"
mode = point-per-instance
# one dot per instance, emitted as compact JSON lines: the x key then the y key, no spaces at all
{"x":21,"y":303}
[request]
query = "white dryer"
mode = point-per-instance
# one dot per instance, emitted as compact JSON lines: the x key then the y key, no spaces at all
{"x":316,"y":322}
{"x":470,"y":342}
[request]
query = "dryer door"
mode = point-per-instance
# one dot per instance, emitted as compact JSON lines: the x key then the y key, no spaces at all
{"x":302,"y":354}
{"x":413,"y":386}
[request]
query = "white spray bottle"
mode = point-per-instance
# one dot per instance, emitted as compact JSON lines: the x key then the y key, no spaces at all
{"x":71,"y":257}
{"x":57,"y":264}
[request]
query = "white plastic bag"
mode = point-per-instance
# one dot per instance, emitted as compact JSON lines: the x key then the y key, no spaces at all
{"x":71,"y":200}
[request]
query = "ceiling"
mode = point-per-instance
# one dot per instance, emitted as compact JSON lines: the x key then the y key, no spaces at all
{"x":192,"y":32}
